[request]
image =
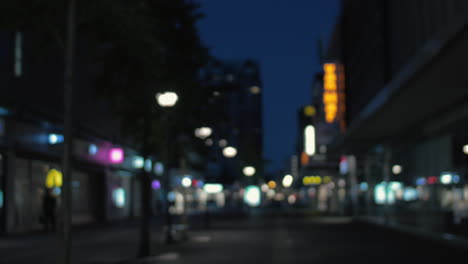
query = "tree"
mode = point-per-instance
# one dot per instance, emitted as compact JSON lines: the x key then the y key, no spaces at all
{"x":141,"y":47}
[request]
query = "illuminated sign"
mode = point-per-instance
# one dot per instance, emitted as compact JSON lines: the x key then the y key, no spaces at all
{"x":213,"y":188}
{"x":304,"y":159}
{"x":252,"y":196}
{"x":53,"y":179}
{"x":333,"y":94}
{"x":309,"y":142}
{"x":312,"y":180}
{"x":116,"y":155}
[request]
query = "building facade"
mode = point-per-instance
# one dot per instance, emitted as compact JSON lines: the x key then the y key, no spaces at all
{"x":406,"y":138}
{"x":105,"y":165}
{"x":235,"y":114}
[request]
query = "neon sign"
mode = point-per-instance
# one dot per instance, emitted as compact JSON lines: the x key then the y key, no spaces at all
{"x":333,"y":94}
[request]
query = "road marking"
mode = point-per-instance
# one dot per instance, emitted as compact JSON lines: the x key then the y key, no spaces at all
{"x":202,"y":239}
{"x":170,"y":256}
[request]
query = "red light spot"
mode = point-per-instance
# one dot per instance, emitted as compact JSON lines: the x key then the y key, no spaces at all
{"x":432,"y":180}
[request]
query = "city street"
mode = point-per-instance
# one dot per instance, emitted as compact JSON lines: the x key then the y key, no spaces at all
{"x":259,"y":238}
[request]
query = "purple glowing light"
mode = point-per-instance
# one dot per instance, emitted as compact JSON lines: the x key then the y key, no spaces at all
{"x":116,"y":155}
{"x":156,"y":185}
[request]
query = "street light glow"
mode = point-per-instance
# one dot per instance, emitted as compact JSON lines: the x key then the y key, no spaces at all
{"x":255,"y":89}
{"x":397,"y":169}
{"x":167,"y":99}
{"x":229,"y":152}
{"x":272,"y":184}
{"x":203,"y":132}
{"x":248,"y":171}
{"x":186,"y":182}
{"x":287,"y":181}
{"x":309,"y":142}
{"x":465,"y":149}
{"x":222,"y":143}
{"x":55,"y":139}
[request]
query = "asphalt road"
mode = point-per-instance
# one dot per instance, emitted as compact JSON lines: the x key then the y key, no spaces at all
{"x":256,"y":239}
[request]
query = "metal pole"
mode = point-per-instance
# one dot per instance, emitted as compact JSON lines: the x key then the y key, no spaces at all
{"x":68,"y":134}
{"x":167,"y":181}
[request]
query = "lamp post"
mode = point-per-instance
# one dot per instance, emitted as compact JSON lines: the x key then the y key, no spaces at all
{"x":167,"y":100}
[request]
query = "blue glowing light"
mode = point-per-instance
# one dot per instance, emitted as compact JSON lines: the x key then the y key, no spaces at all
{"x":159,"y":168}
{"x":148,"y":165}
{"x":138,"y":162}
{"x":1,"y":199}
{"x":118,"y":196}
{"x":55,"y":139}
{"x":364,"y":186}
{"x":420,"y":181}
{"x":57,"y":191}
{"x":171,"y":196}
{"x":410,"y":194}
{"x":93,"y":149}
{"x":4,"y":111}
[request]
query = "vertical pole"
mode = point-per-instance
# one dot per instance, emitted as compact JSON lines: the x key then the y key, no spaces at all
{"x":145,"y":232}
{"x":68,"y":134}
{"x":386,"y":178}
{"x":167,"y":180}
{"x":353,"y":184}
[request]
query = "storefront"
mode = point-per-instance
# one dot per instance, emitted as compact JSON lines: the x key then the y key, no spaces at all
{"x":423,"y":185}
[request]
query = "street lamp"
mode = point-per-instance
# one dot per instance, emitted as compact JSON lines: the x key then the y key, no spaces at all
{"x":167,"y":100}
{"x":397,"y":169}
{"x":203,"y":132}
{"x":249,"y":171}
{"x":465,"y":149}
{"x":287,"y":181}
{"x":229,"y":152}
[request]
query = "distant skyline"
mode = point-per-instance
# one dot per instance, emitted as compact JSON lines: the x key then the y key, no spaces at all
{"x":282,"y":36}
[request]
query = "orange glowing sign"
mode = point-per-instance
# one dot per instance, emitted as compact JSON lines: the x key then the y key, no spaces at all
{"x":304,"y":159}
{"x":333,"y":94}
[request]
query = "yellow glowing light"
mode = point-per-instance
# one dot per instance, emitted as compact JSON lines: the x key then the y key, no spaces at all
{"x":53,"y":179}
{"x":326,"y":179}
{"x":330,"y":95}
{"x":255,"y":90}
{"x":329,"y":67}
{"x":309,"y":111}
{"x":272,"y":184}
{"x":330,"y":98}
{"x":309,"y":180}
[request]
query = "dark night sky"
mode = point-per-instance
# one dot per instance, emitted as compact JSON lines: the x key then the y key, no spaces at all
{"x":282,"y":35}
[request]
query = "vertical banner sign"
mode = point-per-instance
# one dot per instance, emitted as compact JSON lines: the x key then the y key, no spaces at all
{"x":334,"y":94}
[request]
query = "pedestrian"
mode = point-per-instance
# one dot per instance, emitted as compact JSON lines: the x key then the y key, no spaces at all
{"x":49,"y":204}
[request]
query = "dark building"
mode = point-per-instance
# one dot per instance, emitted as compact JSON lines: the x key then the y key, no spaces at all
{"x":405,"y":139}
{"x":235,"y":114}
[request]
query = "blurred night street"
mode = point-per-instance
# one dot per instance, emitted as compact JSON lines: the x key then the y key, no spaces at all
{"x":221,"y":131}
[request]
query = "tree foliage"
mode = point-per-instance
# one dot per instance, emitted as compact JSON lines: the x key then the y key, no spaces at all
{"x":140,"y":48}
